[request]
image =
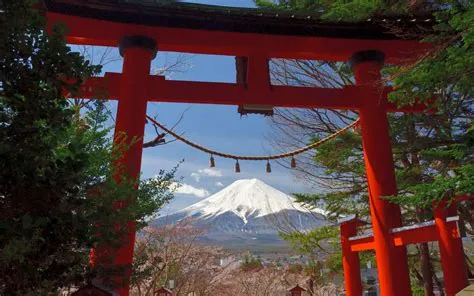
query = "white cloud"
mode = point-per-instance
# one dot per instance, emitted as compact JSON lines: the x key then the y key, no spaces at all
{"x":196,"y":177}
{"x":213,"y":173}
{"x":190,"y":190}
{"x":210,"y":172}
{"x":219,"y":184}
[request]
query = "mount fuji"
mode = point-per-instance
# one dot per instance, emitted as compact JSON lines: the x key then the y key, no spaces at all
{"x":248,"y":209}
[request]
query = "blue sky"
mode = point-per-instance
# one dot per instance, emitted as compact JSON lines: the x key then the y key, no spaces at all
{"x":217,"y":127}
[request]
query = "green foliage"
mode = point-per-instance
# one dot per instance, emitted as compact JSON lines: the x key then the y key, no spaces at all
{"x":354,"y":10}
{"x":324,"y":240}
{"x":290,"y":5}
{"x":336,"y":10}
{"x":448,"y":67}
{"x":434,"y":155}
{"x":417,"y":290}
{"x":341,"y":155}
{"x":432,"y":152}
{"x":341,"y":159}
{"x":58,"y":194}
{"x":423,"y":194}
{"x":307,"y":242}
{"x":250,"y":263}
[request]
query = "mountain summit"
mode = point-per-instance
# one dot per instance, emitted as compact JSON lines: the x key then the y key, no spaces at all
{"x":248,"y":208}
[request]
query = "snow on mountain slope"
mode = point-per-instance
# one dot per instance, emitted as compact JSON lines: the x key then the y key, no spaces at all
{"x":249,"y":206}
{"x":246,"y":197}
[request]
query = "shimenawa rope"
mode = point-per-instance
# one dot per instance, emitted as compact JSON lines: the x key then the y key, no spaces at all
{"x":244,"y":157}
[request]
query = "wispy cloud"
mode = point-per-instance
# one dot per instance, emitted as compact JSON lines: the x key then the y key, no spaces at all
{"x":210,"y":172}
{"x":196,"y":176}
{"x":219,"y":184}
{"x":190,"y":190}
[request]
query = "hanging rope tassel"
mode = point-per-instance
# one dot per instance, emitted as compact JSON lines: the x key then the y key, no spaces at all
{"x":237,"y":167}
{"x":269,"y":168}
{"x":293,"y":163}
{"x":212,"y":164}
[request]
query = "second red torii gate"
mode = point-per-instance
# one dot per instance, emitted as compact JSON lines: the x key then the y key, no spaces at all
{"x":139,"y":39}
{"x":444,"y":229}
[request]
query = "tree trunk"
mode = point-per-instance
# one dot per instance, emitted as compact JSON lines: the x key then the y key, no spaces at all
{"x":424,"y":251}
{"x":426,"y":270}
{"x":311,"y":286}
{"x":438,"y":283}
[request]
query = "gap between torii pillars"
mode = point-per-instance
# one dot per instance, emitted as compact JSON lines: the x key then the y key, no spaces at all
{"x":137,"y":53}
{"x":392,"y":265}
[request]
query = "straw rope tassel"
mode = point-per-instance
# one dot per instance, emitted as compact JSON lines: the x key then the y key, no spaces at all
{"x":211,"y":162}
{"x":237,"y":167}
{"x":293,"y":162}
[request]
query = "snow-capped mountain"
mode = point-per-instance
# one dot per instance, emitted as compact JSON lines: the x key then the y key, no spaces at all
{"x":248,"y":208}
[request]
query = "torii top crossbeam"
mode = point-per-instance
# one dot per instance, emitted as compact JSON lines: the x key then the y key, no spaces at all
{"x":230,"y":31}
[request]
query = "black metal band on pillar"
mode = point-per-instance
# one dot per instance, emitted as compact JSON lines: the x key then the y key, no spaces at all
{"x":367,"y":56}
{"x":138,"y":41}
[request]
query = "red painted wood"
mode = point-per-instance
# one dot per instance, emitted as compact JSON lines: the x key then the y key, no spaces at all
{"x":350,"y":260}
{"x":131,"y":123}
{"x":172,"y":91}
{"x":234,"y":94}
{"x":464,"y":197}
{"x":391,"y":261}
{"x":451,"y":250}
{"x":88,"y":31}
{"x":406,"y":237}
{"x":106,"y":88}
{"x":258,"y":76}
{"x":416,"y":236}
{"x":363,"y":244}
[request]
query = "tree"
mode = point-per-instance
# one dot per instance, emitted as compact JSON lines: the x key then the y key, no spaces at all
{"x":250,"y":262}
{"x":433,"y":153}
{"x":56,"y":187}
{"x":263,"y":282}
{"x":172,"y":252}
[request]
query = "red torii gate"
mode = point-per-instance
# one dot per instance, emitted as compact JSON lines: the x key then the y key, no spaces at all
{"x":443,"y":229}
{"x":140,"y":30}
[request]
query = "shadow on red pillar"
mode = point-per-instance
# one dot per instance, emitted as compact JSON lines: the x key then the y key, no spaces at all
{"x":350,"y":260}
{"x":137,"y":52}
{"x":392,"y":262}
{"x":451,"y":249}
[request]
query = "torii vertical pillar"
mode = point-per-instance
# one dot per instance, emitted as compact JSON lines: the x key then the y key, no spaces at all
{"x":137,"y":53}
{"x":450,"y":248}
{"x":392,"y":262}
{"x":350,"y":260}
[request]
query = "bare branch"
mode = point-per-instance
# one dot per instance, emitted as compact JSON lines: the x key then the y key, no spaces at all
{"x":160,"y":137}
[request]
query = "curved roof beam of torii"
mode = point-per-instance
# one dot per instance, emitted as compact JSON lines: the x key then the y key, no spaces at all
{"x":88,"y":31}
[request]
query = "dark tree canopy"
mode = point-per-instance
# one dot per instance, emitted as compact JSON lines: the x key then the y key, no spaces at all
{"x":53,"y":156}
